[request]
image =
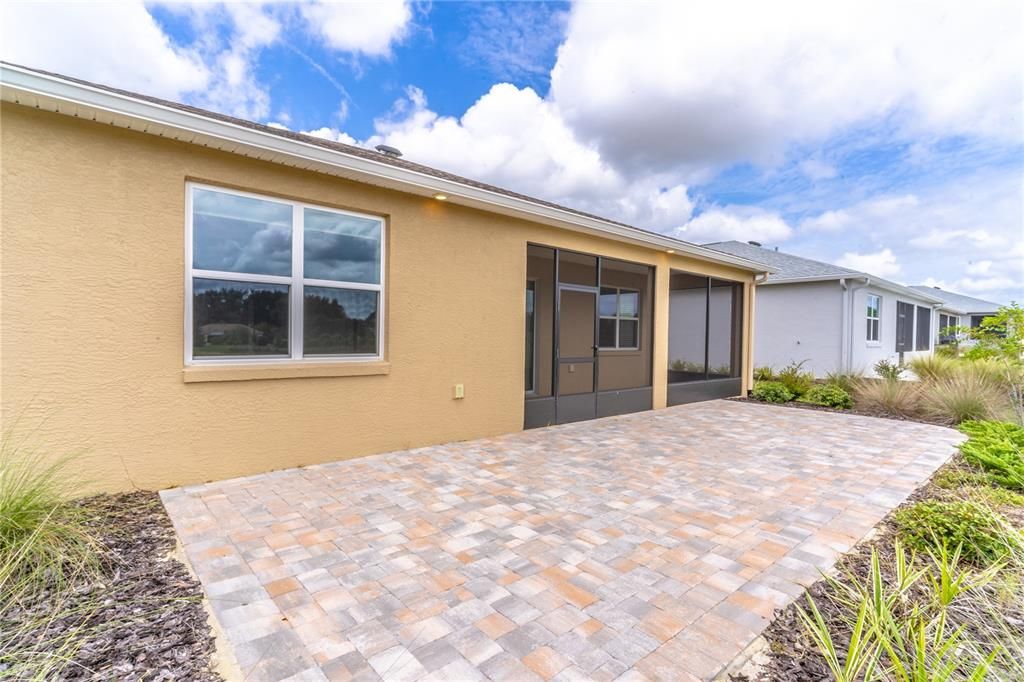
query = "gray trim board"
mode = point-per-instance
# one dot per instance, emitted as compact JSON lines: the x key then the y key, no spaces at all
{"x":695,"y":391}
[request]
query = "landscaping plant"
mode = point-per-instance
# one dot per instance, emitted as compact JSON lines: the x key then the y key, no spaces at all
{"x":998,"y":336}
{"x":998,"y":449}
{"x":888,"y":396}
{"x":764,"y":374}
{"x":829,"y":395}
{"x":963,"y":396}
{"x":983,"y":535}
{"x":772,"y":392}
{"x":795,"y":379}
{"x":42,"y":538}
{"x":933,"y":367}
{"x":844,"y":380}
{"x":889,"y":370}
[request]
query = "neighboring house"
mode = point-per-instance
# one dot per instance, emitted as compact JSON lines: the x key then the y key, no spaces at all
{"x":958,"y":310}
{"x":833,"y":318}
{"x":190,"y":296}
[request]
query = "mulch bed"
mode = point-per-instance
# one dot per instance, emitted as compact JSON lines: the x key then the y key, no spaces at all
{"x":864,"y":412}
{"x":143,"y":619}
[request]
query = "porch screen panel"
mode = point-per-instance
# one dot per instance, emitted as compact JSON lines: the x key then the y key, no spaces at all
{"x":924,"y":324}
{"x":725,"y":304}
{"x":540,"y":274}
{"x":626,"y":318}
{"x":904,"y":326}
{"x":687,"y":334}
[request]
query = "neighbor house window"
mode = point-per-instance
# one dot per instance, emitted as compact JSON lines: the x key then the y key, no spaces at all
{"x":874,"y":316}
{"x":270,"y":279}
{"x":619,"y":323}
{"x":947,"y":328}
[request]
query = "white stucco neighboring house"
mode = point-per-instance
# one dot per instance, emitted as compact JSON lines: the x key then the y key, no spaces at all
{"x":833,"y":318}
{"x":958,"y":310}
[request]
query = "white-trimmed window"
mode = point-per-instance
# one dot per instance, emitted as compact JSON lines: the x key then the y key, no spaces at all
{"x":874,"y":316}
{"x":619,"y":324}
{"x":273,"y":280}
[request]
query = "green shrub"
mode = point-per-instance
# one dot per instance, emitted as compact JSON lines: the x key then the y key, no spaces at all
{"x":796,"y":381}
{"x":887,"y":369}
{"x":828,"y":395}
{"x":997,"y":448}
{"x":764,"y":374}
{"x":772,"y":392}
{"x":844,"y":380}
{"x":888,"y":396}
{"x":982,"y":534}
{"x":951,"y":479}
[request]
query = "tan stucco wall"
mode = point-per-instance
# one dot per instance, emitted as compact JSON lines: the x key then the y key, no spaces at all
{"x":92,"y":314}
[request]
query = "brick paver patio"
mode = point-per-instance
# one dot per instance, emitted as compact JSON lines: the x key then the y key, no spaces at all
{"x":653,"y":545}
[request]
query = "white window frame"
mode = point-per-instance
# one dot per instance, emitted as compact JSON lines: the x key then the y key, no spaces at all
{"x":296,"y":282}
{"x":617,"y":317}
{"x":876,"y":341}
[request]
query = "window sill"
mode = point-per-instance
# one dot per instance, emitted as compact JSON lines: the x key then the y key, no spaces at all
{"x":873,"y":344}
{"x":290,"y":370}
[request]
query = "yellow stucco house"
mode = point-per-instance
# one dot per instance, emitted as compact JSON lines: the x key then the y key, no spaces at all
{"x":188,"y":296}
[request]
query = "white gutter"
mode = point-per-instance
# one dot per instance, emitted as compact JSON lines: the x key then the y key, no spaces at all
{"x":876,"y":281}
{"x":86,"y":101}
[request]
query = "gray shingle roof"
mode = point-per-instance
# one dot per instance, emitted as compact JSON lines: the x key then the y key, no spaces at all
{"x":787,"y":265}
{"x":965,"y":304}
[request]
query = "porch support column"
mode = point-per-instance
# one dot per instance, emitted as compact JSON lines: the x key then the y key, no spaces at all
{"x":749,"y":296}
{"x":659,"y":359}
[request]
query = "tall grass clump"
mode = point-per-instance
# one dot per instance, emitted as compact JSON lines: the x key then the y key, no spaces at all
{"x":933,"y":367}
{"x":888,"y":396}
{"x":43,"y":538}
{"x":964,"y":396}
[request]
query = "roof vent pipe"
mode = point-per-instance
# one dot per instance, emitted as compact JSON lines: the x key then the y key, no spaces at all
{"x":388,"y":151}
{"x":754,"y":243}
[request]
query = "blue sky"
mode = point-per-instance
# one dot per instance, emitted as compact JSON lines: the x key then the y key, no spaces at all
{"x":886,"y":137}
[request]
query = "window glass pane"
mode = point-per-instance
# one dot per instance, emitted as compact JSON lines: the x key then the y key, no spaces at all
{"x":239,"y":318}
{"x":629,"y":303}
{"x":341,"y":247}
{"x":339,"y":321}
{"x":607,"y":303}
{"x":241,"y":234}
{"x":607,"y":332}
{"x":628,"y":331}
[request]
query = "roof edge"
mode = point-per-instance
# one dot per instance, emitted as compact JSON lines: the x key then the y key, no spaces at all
{"x":870,"y":279}
{"x":98,"y":98}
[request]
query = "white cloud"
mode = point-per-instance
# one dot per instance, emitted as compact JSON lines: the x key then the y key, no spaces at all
{"x":982,"y":267}
{"x":741,"y":223}
{"x":332,"y":134}
{"x":711,"y":83}
{"x":79,"y":39}
{"x":943,"y":238}
{"x":513,"y":138}
{"x":881,"y":263}
{"x":366,"y":28}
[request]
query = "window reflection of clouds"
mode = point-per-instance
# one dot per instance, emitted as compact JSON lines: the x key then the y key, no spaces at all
{"x":241,"y":234}
{"x":341,"y":247}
